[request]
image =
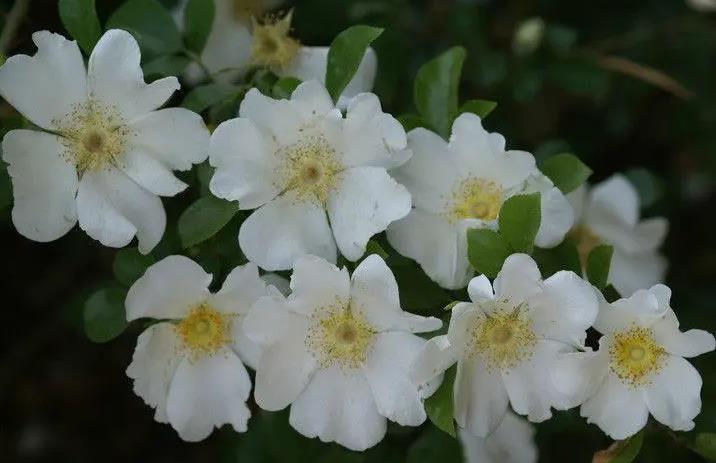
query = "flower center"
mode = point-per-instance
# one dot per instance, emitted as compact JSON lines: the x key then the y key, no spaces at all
{"x":635,"y":356}
{"x":342,"y":337}
{"x":204,"y":331}
{"x":311,"y":169}
{"x":272,"y":45}
{"x":93,"y":135}
{"x":476,"y":198}
{"x":585,"y":240}
{"x":503,"y":338}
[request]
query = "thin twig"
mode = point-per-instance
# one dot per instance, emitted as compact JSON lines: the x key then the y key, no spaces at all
{"x":644,"y":73}
{"x":12,"y":24}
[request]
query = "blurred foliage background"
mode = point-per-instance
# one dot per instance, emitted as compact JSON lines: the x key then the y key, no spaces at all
{"x":627,"y":85}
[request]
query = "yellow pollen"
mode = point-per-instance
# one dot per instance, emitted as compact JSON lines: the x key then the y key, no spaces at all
{"x":476,"y":198}
{"x":204,"y":331}
{"x":635,"y":356}
{"x":341,"y":337}
{"x":272,"y":45}
{"x":311,"y":169}
{"x":503,"y":338}
{"x":94,"y":136}
{"x":585,"y":240}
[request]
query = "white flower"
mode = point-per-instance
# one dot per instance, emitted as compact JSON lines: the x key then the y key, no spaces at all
{"x":106,"y":155}
{"x":639,"y":367}
{"x":461,"y":185}
{"x":609,"y":214}
{"x":512,"y":442}
{"x":337,"y":350}
{"x":190,"y":366}
{"x":702,"y":5}
{"x":301,"y":163}
{"x":236,"y":43}
{"x":505,"y":341}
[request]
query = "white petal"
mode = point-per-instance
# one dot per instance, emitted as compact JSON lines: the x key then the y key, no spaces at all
{"x":365,"y":201}
{"x":240,"y":290}
{"x":578,"y":375}
{"x":177,"y":137}
{"x":153,"y":364}
{"x":246,"y":166}
{"x":208,"y":392}
{"x":631,"y":272}
{"x":46,"y":86}
{"x":115,"y":77}
{"x":277,"y":118}
{"x":316,"y":283}
{"x":312,"y":99}
{"x":512,"y":442}
{"x":480,"y":398}
{"x":673,"y":397}
{"x":338,"y":406}
{"x":269,"y":320}
{"x":168,"y":289}
{"x":557,"y":216}
{"x":642,"y":308}
{"x":286,"y":228}
{"x":147,"y":171}
{"x":112,"y":208}
{"x":480,"y":289}
{"x":618,"y":197}
{"x":44,"y":184}
{"x":435,"y":244}
{"x":374,"y":292}
{"x":577,"y":199}
{"x":434,"y":357}
{"x":518,"y":280}
{"x":683,"y":344}
{"x":617,"y":409}
{"x":387,"y":371}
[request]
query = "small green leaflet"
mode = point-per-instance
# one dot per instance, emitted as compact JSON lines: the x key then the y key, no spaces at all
{"x":346,"y":54}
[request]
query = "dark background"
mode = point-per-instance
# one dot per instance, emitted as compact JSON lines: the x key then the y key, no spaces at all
{"x":65,"y":399}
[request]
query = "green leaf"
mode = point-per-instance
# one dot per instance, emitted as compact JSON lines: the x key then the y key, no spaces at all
{"x":284,"y":87}
{"x":561,"y":257}
{"x":705,"y":445}
{"x":486,"y":251}
{"x":434,"y":446}
{"x":598,"y":264}
{"x":80,"y":19}
{"x":418,"y":293}
{"x":198,"y":19}
{"x":480,"y":107}
{"x":624,"y":451}
{"x":204,"y":96}
{"x":411,"y":121}
{"x":566,"y":171}
{"x":129,"y":264}
{"x":104,"y":315}
{"x":373,"y":247}
{"x":440,"y":406}
{"x":650,"y":187}
{"x":150,"y":23}
{"x":519,"y":219}
{"x":435,"y":89}
{"x":204,"y":218}
{"x":166,"y":65}
{"x":346,"y":54}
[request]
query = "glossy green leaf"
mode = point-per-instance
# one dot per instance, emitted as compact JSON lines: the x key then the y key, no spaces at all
{"x":284,"y":87}
{"x":373,"y":247}
{"x":104,"y":315}
{"x":150,"y":23}
{"x":204,"y":96}
{"x":486,"y":251}
{"x":418,"y":293}
{"x":705,"y":445}
{"x":440,"y":405}
{"x":129,"y":264}
{"x":566,"y":171}
{"x":198,"y":19}
{"x":345,"y":55}
{"x":561,"y":257}
{"x":411,"y":121}
{"x":434,"y":446}
{"x":204,"y":218}
{"x":598,"y":264}
{"x":624,"y":451}
{"x":80,"y":19}
{"x":166,"y":65}
{"x":480,"y":107}
{"x":519,"y":220}
{"x":435,"y":90}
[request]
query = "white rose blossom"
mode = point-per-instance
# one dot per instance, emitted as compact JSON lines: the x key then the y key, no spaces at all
{"x":303,"y":164}
{"x":338,"y":350}
{"x":106,"y":154}
{"x":512,"y":442}
{"x":608,"y":213}
{"x":460,"y":185}
{"x":190,"y":365}
{"x":639,"y":368}
{"x":505,"y":340}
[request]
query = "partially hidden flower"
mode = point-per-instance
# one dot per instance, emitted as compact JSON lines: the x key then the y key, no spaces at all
{"x":106,"y":154}
{"x":190,"y":365}
{"x":463,"y":184}
{"x":337,"y":350}
{"x":505,"y":341}
{"x":639,"y":368}
{"x":608,"y":213}
{"x":303,"y":165}
{"x":512,"y":442}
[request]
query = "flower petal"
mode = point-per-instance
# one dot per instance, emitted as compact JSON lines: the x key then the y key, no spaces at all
{"x":277,"y":118}
{"x":316,"y":283}
{"x":557,"y":214}
{"x":46,"y":86}
{"x":312,"y":99}
{"x":433,"y":358}
{"x":617,"y":409}
{"x":269,"y":320}
{"x":642,"y":307}
{"x":480,"y":289}
{"x":512,"y":442}
{"x":631,"y":272}
{"x":241,"y":288}
{"x":578,"y":375}
{"x":683,"y":344}
{"x":149,"y":173}
{"x":44,"y":184}
{"x":673,"y":397}
{"x":364,"y":203}
{"x":481,"y":400}
{"x":518,"y":280}
{"x":616,"y":197}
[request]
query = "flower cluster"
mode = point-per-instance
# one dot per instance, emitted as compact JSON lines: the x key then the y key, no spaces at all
{"x":321,"y":179}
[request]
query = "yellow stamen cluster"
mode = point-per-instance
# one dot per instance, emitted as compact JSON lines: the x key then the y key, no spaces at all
{"x":635,"y":356}
{"x":311,"y":168}
{"x":94,"y":136}
{"x":476,"y":198}
{"x":272,"y":45}
{"x":244,"y":10}
{"x":340,"y":337}
{"x":503,"y":338}
{"x":204,"y":331}
{"x":585,"y":240}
